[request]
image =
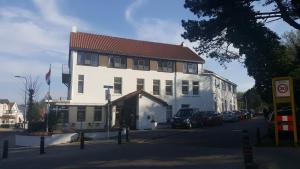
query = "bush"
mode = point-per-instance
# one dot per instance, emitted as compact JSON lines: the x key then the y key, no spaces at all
{"x":36,"y":126}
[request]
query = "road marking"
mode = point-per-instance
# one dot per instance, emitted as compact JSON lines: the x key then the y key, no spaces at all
{"x":236,"y":130}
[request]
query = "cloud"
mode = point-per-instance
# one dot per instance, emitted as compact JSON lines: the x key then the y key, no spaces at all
{"x":153,"y":29}
{"x":31,"y":39}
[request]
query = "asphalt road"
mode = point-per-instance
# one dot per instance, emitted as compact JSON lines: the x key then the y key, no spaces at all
{"x":216,"y":147}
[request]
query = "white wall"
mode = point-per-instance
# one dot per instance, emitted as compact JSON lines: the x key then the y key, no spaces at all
{"x":96,"y":77}
{"x":150,"y":110}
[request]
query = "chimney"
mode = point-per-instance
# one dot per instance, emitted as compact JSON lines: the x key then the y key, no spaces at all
{"x":74,"y":29}
{"x":182,"y":44}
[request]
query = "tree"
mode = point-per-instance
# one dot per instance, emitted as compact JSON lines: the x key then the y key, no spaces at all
{"x":33,"y":112}
{"x":223,"y":26}
{"x":254,"y":101}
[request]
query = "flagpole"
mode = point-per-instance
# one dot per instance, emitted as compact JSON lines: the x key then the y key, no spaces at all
{"x":47,"y":127}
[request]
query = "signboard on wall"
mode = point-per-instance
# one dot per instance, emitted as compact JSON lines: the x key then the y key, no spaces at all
{"x":282,"y":88}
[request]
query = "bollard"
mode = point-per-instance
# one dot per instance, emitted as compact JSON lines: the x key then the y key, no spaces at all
{"x":258,"y":136}
{"x":127,"y":134}
{"x":5,"y":149}
{"x":42,"y":145}
{"x":120,"y":136}
{"x":81,"y":140}
{"x":247,"y":151}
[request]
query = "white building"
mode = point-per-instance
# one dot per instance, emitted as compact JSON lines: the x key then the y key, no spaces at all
{"x":169,"y":76}
{"x":9,"y":113}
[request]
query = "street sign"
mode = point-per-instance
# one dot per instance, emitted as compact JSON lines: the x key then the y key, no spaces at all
{"x":282,"y":88}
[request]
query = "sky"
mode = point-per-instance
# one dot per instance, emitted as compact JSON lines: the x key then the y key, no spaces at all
{"x":35,"y":34}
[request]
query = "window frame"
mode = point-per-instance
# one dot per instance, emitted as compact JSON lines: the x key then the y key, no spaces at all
{"x":196,"y":86}
{"x":97,"y":117}
{"x":83,"y":111}
{"x":145,"y":66}
{"x":140,"y":84}
{"x":156,"y":85}
{"x":117,"y":83}
{"x":184,"y":86}
{"x":186,"y":68}
{"x":93,"y":58}
{"x":165,"y":66}
{"x":170,"y":93}
{"x":80,"y":84}
{"x":121,"y":59}
{"x":223,"y":86}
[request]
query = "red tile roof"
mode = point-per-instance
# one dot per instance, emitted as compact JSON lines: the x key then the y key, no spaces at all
{"x":130,"y":47}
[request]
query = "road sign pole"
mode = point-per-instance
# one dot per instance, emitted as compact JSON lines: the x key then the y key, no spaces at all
{"x":108,"y":98}
{"x":293,"y":112}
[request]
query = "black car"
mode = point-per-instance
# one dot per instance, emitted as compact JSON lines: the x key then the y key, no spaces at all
{"x":187,"y":118}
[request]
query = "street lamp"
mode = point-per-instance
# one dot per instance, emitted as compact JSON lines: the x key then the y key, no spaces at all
{"x":25,"y":111}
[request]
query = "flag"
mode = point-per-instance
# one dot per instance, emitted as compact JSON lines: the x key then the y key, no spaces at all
{"x":47,"y":77}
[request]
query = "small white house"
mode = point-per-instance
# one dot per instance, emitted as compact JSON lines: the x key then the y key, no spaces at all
{"x":163,"y":78}
{"x":10,"y":114}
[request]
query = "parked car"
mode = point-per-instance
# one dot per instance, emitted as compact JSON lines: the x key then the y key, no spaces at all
{"x":211,"y":118}
{"x":229,"y":116}
{"x":239,"y":114}
{"x":187,"y":118}
{"x":246,"y":114}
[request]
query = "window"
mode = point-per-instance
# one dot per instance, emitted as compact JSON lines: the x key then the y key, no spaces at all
{"x":217,"y":83}
{"x":190,"y":68}
{"x":185,"y":87}
{"x":117,"y":62}
{"x":88,"y":58}
{"x":185,"y":106}
{"x":80,"y":113}
{"x":97,"y":113}
{"x":234,"y":89}
{"x":165,"y":66}
{"x":169,"y":87}
{"x":169,"y":113}
{"x":223,"y":86}
{"x":156,"y":87}
{"x":118,"y":85}
{"x":80,"y":83}
{"x":195,"y":88}
{"x":140,"y":84}
{"x":229,"y":87}
{"x":141,"y":64}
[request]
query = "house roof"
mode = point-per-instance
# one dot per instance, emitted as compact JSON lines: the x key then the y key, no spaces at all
{"x":136,"y":93}
{"x":129,"y":47}
{"x":4,"y":101}
{"x":209,"y":72}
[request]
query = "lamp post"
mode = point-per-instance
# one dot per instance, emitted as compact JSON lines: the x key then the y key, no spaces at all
{"x":25,"y":111}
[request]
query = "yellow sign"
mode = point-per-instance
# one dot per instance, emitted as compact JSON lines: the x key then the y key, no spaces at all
{"x":283,"y":93}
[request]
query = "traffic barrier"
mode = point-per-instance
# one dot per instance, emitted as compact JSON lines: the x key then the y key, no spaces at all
{"x":81,"y":140}
{"x":285,"y":118}
{"x":42,"y":145}
{"x":127,"y":134}
{"x":120,"y":135}
{"x":5,"y":149}
{"x":285,"y":127}
{"x":258,"y":136}
{"x":247,"y":151}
